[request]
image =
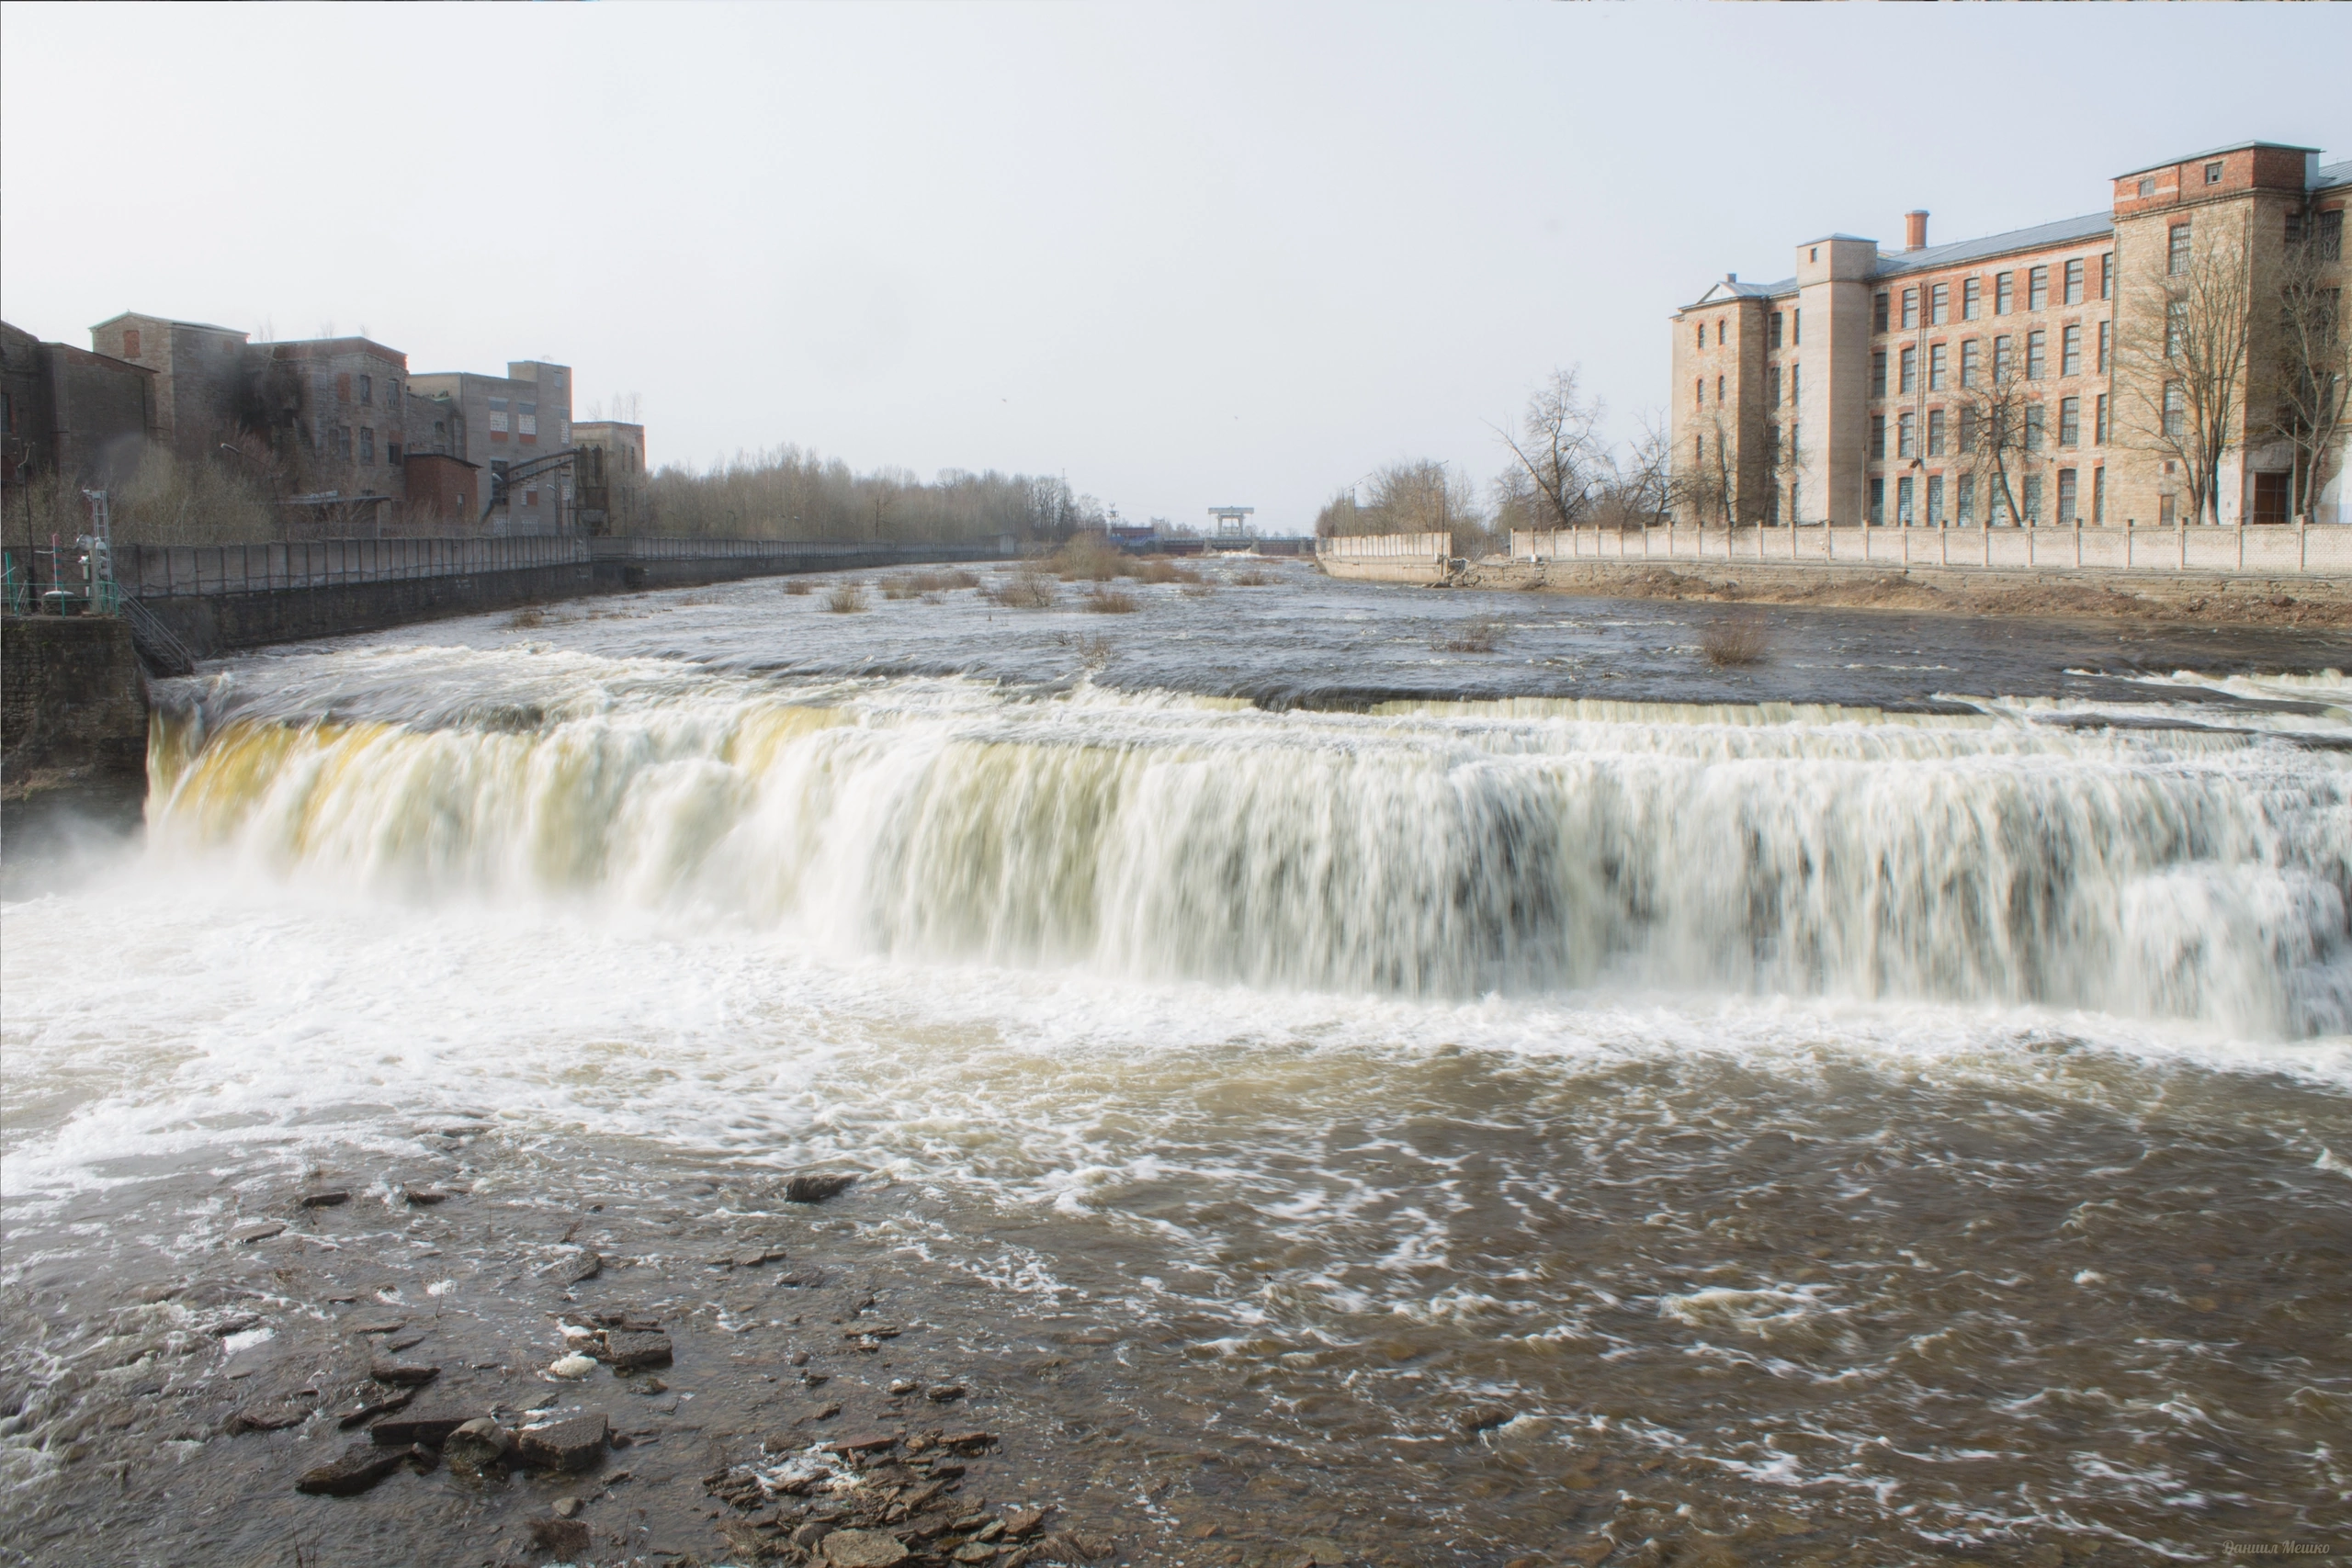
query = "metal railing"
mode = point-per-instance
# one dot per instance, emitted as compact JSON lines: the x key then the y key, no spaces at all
{"x":2266,"y":549}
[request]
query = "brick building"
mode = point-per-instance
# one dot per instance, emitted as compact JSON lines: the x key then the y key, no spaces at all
{"x":65,"y":409}
{"x":2032,"y":376}
{"x":611,"y":477}
{"x":504,"y":423}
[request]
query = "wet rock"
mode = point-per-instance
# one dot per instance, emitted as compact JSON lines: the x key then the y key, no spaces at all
{"x":431,"y":1430}
{"x":401,"y":1374}
{"x":478,"y":1446}
{"x":967,"y":1443}
{"x":904,"y":1385}
{"x":626,"y":1352}
{"x":809,"y":1537}
{"x":815,"y":1189}
{"x":237,"y":1324}
{"x":974,"y":1552}
{"x":566,"y":1539}
{"x":374,"y":1408}
{"x":1022,"y":1523}
{"x":865,"y":1443}
{"x":1480,"y":1418}
{"x":627,"y":1321}
{"x":572,"y":1366}
{"x":941,"y":1393}
{"x":375,"y":1326}
{"x":423,"y":1197}
{"x":574,"y":1443}
{"x":567,"y":1507}
{"x":757,"y":1256}
{"x":361,"y":1466}
{"x":824,"y":1412}
{"x":798,"y":1358}
{"x":326,"y":1198}
{"x":862,"y":1548}
{"x":260,"y":1230}
{"x":265,"y":1419}
{"x":582,"y":1269}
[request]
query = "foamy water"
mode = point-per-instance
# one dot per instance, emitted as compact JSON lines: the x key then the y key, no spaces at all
{"x":1581,"y":1045}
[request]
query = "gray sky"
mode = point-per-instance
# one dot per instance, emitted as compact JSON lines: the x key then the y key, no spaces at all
{"x":1185,"y":254}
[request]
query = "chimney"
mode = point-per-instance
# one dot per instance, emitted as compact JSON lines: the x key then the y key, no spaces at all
{"x":1915,"y":229}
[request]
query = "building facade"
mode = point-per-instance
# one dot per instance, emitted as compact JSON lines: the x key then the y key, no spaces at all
{"x":2080,"y":371}
{"x":505,"y":423}
{"x":611,"y":477}
{"x":66,"y":410}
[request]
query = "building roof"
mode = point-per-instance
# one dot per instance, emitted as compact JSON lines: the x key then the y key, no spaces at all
{"x":2214,"y":153}
{"x":143,"y":316}
{"x":323,"y":347}
{"x":2332,"y":175}
{"x":2041,"y":236}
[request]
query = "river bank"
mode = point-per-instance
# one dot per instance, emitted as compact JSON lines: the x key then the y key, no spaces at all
{"x":2152,"y":598}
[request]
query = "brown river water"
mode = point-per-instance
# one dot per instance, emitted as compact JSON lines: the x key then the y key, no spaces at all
{"x":1324,"y":1095}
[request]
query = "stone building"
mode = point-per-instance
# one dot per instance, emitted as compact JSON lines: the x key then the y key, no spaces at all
{"x":611,"y":477}
{"x":204,"y":385}
{"x":66,"y":410}
{"x":2034,"y":377}
{"x":504,"y":423}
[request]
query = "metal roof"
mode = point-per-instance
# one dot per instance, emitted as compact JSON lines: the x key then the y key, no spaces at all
{"x":2089,"y":226}
{"x":2333,"y":174}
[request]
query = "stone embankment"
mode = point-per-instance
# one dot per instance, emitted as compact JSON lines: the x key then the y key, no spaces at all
{"x":2210,"y":598}
{"x":72,"y":720}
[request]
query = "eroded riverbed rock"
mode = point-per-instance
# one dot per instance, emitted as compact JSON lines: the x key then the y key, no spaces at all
{"x":265,"y":1418}
{"x":628,"y":1352}
{"x":431,"y":1429}
{"x":863,"y":1549}
{"x":573,"y":1443}
{"x":565,"y":1538}
{"x":815,"y":1189}
{"x":359,"y":1467}
{"x":477,"y":1447}
{"x":401,"y":1374}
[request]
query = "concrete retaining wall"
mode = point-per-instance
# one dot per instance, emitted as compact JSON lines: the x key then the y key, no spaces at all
{"x":1386,"y":557}
{"x":72,"y":718}
{"x":2272,"y":550}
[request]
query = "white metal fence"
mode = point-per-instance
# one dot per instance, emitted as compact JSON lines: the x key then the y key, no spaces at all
{"x":2264,"y":550}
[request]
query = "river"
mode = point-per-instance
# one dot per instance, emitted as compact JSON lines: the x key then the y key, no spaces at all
{"x":1530,"y":1090}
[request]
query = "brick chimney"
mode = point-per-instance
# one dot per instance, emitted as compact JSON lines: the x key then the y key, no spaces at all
{"x":1915,"y":229}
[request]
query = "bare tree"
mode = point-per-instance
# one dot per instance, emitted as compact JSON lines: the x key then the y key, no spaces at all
{"x":2183,"y":352}
{"x":1998,"y":426}
{"x":2310,"y":363}
{"x":1560,"y":448}
{"x":1707,"y":486}
{"x":1641,"y":489}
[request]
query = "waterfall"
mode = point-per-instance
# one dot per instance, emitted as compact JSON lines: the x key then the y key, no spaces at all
{"x":1424,"y":849}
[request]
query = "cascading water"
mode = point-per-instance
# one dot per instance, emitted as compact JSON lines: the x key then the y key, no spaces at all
{"x":1422,"y":848}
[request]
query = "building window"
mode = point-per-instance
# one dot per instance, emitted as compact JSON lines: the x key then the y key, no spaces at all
{"x":526,"y":419}
{"x":1935,"y":432}
{"x":1878,"y":374}
{"x":393,"y":453}
{"x":2176,"y":250}
{"x":1965,"y":514}
{"x":130,"y":343}
{"x":1719,"y":389}
{"x":2098,"y":497}
{"x":2034,"y":427}
{"x":2176,"y":409}
{"x":1793,"y":370}
{"x":2002,"y":369}
{"x":1972,"y":299}
{"x":1938,"y":366}
{"x":342,"y":386}
{"x":343,"y":442}
{"x":2098,"y":421}
{"x":2005,"y":293}
{"x":1967,"y":431}
{"x":2032,"y":500}
{"x":1772,"y":333}
{"x":530,"y":500}
{"x":2070,"y":422}
{"x":2105,"y":328}
{"x":2074,"y":283}
{"x":1719,"y":330}
{"x":2070,"y":352}
{"x":1910,"y":309}
{"x":2330,"y":235}
{"x":1878,"y":503}
{"x":1939,"y":304}
{"x":1772,"y":385}
{"x":1878,"y":311}
{"x":2107,"y":275}
{"x":1795,"y":492}
{"x":1698,"y":450}
{"x":1935,"y":500}
{"x":1996,"y":505}
{"x":1906,"y":436}
{"x":2066,"y":498}
{"x":367,"y":388}
{"x":1702,"y":335}
{"x":2167,"y":511}
{"x":2037,"y":288}
{"x":367,"y":442}
{"x":1968,"y":357}
{"x":1878,"y":436}
{"x":392,"y":394}
{"x":2214,"y":172}
{"x":1903,"y":501}
{"x":1698,"y":392}
{"x":2176,"y":327}
{"x":2036,"y":344}
{"x":1910,"y":371}
{"x":499,"y":430}
{"x":1797,"y":328}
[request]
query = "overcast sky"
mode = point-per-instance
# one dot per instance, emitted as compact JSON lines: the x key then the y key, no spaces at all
{"x":1185,"y":255}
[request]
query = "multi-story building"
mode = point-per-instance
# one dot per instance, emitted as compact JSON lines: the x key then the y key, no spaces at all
{"x":611,"y":476}
{"x":506,"y":423}
{"x":2049,"y":375}
{"x":66,"y":410}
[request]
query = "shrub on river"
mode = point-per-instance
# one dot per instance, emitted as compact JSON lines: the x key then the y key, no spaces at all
{"x":847,"y":598}
{"x":1108,"y":601}
{"x":1735,"y":641}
